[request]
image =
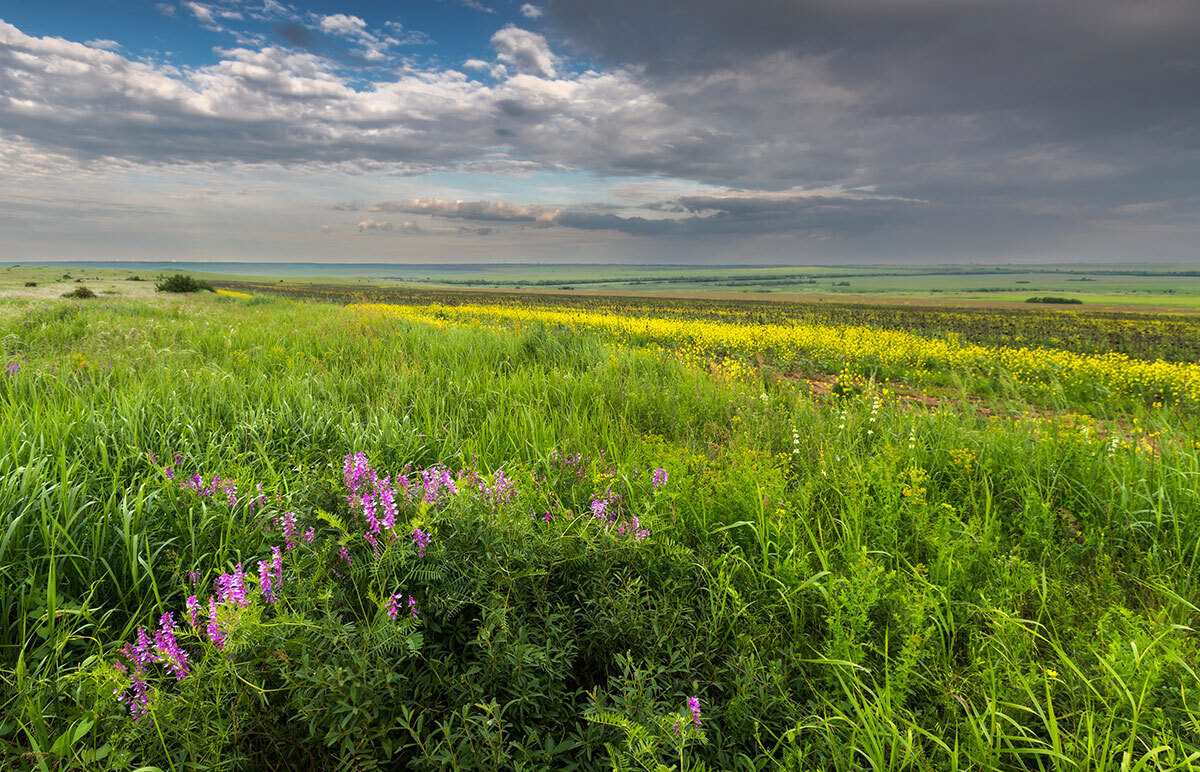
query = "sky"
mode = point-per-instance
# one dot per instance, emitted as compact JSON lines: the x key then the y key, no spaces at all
{"x":625,"y":131}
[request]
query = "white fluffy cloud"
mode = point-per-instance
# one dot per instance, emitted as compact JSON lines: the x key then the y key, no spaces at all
{"x":525,"y":51}
{"x":275,"y":104}
{"x":343,"y":25}
{"x":531,"y":11}
{"x":374,"y":225}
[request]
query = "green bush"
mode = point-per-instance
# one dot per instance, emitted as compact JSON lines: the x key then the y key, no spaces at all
{"x":510,"y":639}
{"x":181,"y":282}
{"x":1054,"y":299}
{"x":80,"y":293}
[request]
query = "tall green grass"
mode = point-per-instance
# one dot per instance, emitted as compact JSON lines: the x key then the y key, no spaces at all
{"x":847,"y":586}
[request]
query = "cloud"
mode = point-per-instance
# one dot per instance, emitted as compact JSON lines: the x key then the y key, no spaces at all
{"x":343,"y":25}
{"x":297,"y":35}
{"x":524,"y":51}
{"x":1006,"y":117}
{"x":326,"y":229}
{"x":722,"y":212}
{"x":373,"y":225}
{"x":499,"y":211}
{"x":166,"y":9}
{"x":203,"y":14}
{"x":531,"y":11}
{"x":476,"y":5}
{"x":104,"y":43}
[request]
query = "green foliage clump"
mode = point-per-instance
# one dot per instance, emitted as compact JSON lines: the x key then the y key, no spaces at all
{"x":1054,"y":299}
{"x":80,"y":293}
{"x":182,"y":282}
{"x":31,"y":284}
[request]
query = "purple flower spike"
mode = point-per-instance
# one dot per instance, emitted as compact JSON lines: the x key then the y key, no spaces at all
{"x":421,"y":539}
{"x":214,"y":629}
{"x":167,"y":649}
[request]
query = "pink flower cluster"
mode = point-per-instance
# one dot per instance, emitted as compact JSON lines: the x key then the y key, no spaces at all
{"x":607,"y":509}
{"x":230,"y":595}
{"x":395,"y":603}
{"x":378,"y":499}
{"x":163,"y":648}
{"x":226,"y":486}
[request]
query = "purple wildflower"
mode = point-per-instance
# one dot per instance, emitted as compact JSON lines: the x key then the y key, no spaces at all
{"x":346,"y":556}
{"x":137,"y":696}
{"x":412,"y":606}
{"x":368,"y":509}
{"x":13,"y":368}
{"x":290,"y":529}
{"x":393,"y":606}
{"x":388,"y":498}
{"x":142,"y":652}
{"x":232,"y":587}
{"x":265,"y":583}
{"x":167,"y":649}
{"x":660,"y":477}
{"x":310,"y":535}
{"x":214,"y":628}
{"x":193,"y":611}
{"x":693,"y":705}
{"x":421,"y":539}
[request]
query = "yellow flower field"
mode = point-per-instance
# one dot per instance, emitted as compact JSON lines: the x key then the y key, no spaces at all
{"x":899,"y":354}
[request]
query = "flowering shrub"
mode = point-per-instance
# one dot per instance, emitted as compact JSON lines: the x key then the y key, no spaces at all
{"x":385,"y":627}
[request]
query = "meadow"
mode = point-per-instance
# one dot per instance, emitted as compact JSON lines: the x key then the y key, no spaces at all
{"x":1105,"y":287}
{"x":304,"y":527}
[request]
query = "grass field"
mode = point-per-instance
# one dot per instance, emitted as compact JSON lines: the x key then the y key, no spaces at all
{"x":1112,"y":287}
{"x":322,"y":526}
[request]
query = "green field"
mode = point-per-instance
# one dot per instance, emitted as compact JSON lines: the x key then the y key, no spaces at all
{"x":556,"y":537}
{"x":1167,"y":287}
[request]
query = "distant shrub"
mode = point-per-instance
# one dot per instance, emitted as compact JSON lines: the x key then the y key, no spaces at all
{"x":181,"y":282}
{"x":80,"y":293}
{"x":135,"y":277}
{"x":31,"y":284}
{"x":1054,"y":299}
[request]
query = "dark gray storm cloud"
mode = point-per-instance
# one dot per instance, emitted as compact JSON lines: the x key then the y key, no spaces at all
{"x":1117,"y":79}
{"x":733,"y":215}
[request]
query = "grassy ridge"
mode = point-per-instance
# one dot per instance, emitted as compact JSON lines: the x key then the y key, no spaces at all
{"x":843,"y":584}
